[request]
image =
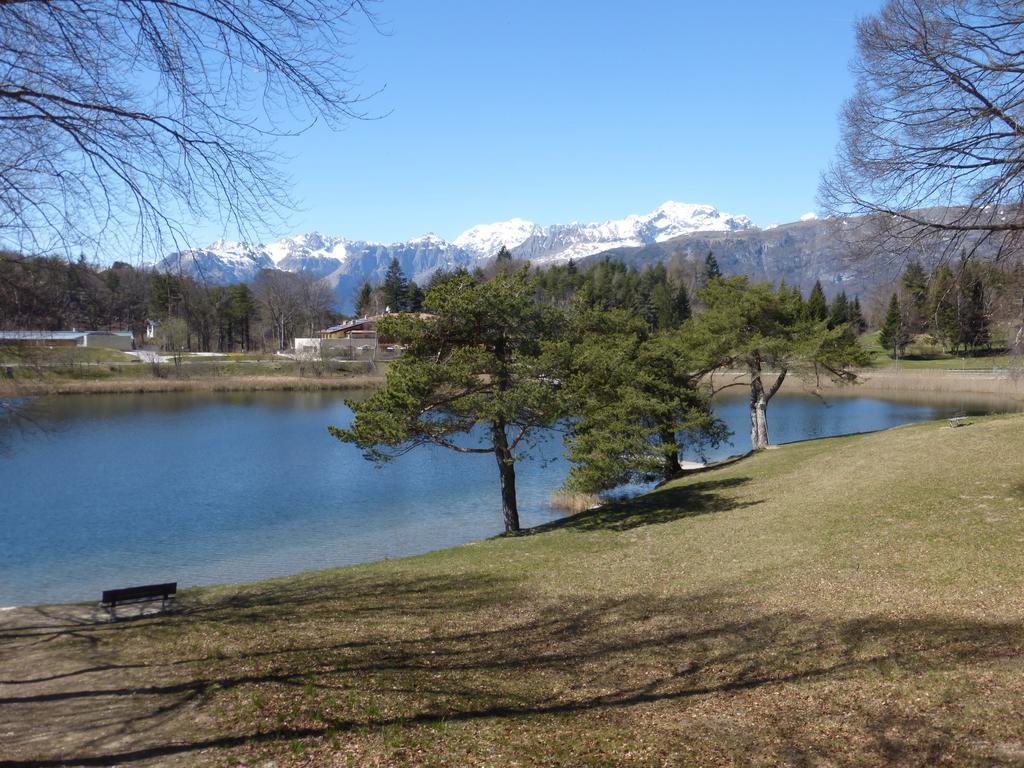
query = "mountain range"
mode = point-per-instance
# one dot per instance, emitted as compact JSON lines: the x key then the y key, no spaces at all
{"x":799,"y":253}
{"x":346,"y":264}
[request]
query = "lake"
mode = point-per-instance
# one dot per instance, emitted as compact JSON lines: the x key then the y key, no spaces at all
{"x":101,"y":491}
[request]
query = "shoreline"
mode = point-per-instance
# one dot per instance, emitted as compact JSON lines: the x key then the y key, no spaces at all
{"x":869,"y":381}
{"x":198,"y":384}
{"x":688,"y":472}
{"x":881,"y":382}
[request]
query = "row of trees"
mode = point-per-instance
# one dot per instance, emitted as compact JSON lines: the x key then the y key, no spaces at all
{"x":54,"y":294}
{"x":956,"y":305}
{"x":494,"y":364}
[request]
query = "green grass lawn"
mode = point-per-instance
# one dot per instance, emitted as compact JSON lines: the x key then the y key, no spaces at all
{"x":922,"y":355}
{"x":852,"y":601}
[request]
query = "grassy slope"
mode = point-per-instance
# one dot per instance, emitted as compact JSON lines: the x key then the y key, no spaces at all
{"x":930,"y":356}
{"x":849,"y":601}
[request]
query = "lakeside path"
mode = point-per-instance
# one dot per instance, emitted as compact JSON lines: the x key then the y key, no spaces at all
{"x":848,"y":601}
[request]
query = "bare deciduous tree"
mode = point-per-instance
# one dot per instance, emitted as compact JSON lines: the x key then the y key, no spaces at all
{"x":122,"y":121}
{"x":933,"y":137}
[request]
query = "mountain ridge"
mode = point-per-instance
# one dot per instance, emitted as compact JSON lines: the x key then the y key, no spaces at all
{"x":345,"y":264}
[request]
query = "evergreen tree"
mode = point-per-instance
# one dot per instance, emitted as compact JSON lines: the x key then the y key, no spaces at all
{"x":413,"y":297}
{"x":504,"y":256}
{"x":636,"y":399}
{"x":243,"y":310}
{"x":857,"y":321}
{"x":975,"y":327}
{"x":941,"y":307}
{"x":363,"y":298}
{"x":481,"y":364}
{"x":394,"y":289}
{"x":816,"y":308}
{"x":839,"y":312}
{"x":894,"y":336}
{"x":915,"y":309}
{"x":681,"y":310}
{"x":711,"y":269}
{"x":763,"y":330}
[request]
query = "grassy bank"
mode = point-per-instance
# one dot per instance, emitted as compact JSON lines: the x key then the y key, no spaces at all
{"x":852,"y":601}
{"x":196,"y":383}
{"x":42,"y":371}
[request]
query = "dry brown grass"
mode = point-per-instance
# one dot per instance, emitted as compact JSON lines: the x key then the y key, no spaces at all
{"x":572,"y":503}
{"x":854,"y":601}
{"x":209,"y":384}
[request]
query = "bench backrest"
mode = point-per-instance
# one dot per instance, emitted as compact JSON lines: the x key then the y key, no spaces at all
{"x":139,"y":593}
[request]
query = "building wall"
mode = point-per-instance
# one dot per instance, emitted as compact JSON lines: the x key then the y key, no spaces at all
{"x":109,"y":341}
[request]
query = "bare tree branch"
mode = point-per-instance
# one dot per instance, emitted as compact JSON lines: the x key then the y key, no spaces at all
{"x":122,"y":122}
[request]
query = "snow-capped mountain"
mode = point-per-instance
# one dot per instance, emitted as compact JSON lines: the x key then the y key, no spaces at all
{"x":346,"y":264}
{"x":220,"y":263}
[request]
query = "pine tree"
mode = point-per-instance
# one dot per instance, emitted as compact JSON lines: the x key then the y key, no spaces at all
{"x":839,"y":312}
{"x":816,"y":308}
{"x":394,"y":287}
{"x":504,"y":256}
{"x":915,"y":284}
{"x":711,"y":269}
{"x":363,"y":298}
{"x":681,"y":309}
{"x":857,"y":321}
{"x":894,"y":336}
{"x":941,"y":307}
{"x":975,"y":330}
{"x":413,"y":297}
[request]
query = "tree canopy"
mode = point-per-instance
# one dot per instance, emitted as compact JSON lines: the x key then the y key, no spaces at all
{"x":479,"y":376}
{"x":634,"y":402}
{"x":764,"y":331}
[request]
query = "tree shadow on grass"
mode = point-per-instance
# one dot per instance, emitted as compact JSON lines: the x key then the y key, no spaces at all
{"x":454,"y":656}
{"x":662,"y":505}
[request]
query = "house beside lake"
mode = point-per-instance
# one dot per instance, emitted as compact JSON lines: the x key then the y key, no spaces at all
{"x":120,"y":340}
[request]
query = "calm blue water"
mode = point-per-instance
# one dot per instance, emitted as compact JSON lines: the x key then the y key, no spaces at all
{"x":103,"y":491}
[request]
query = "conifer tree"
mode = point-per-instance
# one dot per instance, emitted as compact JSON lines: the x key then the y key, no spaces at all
{"x":681,"y":309}
{"x":941,"y":307}
{"x":915,"y":310}
{"x":894,"y":336}
{"x":839,"y":312}
{"x":816,"y":308}
{"x":857,"y":321}
{"x":711,"y":268}
{"x":395,"y":287}
{"x":363,"y":298}
{"x":478,"y":367}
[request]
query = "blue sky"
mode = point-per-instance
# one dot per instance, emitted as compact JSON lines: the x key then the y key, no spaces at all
{"x":578,"y":110}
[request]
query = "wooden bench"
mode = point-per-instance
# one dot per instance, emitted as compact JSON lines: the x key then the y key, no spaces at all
{"x":957,"y":421}
{"x":111,"y":597}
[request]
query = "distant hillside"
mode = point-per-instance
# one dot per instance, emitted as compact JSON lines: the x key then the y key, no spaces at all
{"x":798,"y":253}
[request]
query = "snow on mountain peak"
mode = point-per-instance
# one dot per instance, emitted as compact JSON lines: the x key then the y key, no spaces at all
{"x":486,"y":240}
{"x":428,"y":239}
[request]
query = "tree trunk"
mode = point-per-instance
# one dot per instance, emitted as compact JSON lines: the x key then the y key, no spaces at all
{"x":507,"y":470}
{"x":759,"y":398}
{"x":672,"y":466}
{"x":758,"y":414}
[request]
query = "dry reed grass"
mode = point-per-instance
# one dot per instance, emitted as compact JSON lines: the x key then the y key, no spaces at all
{"x":573,"y":503}
{"x":210,"y":384}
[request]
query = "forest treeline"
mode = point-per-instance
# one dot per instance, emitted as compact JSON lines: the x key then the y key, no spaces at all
{"x":55,"y":294}
{"x":956,"y":305}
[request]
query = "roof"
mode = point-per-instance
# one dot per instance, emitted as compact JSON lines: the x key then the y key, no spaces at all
{"x":358,"y":322}
{"x":56,"y":335}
